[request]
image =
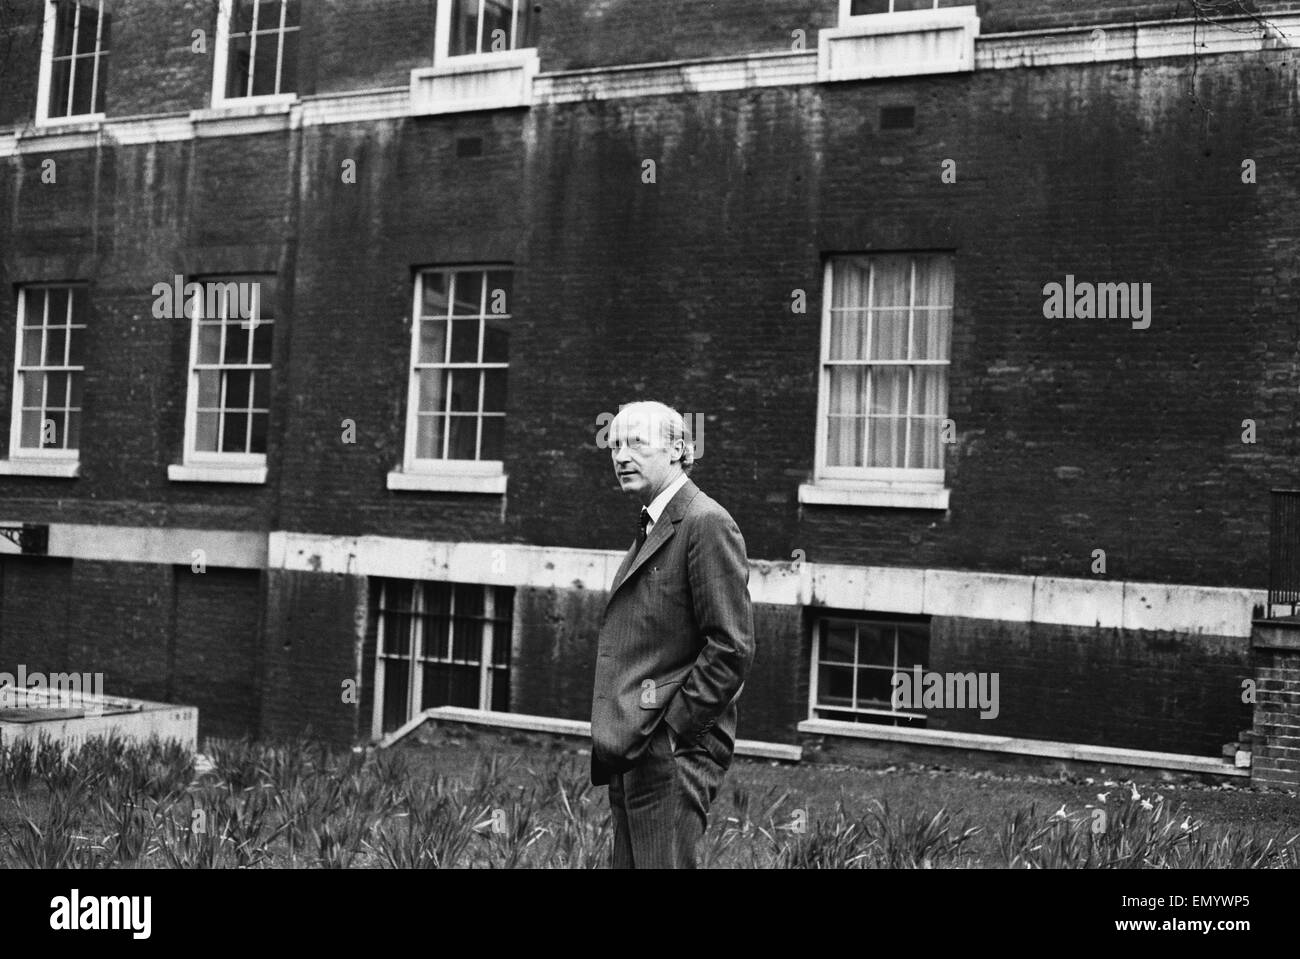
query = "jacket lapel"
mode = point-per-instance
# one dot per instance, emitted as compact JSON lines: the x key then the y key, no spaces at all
{"x":662,"y":532}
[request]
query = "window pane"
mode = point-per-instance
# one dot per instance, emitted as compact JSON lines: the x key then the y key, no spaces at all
{"x":433,"y":341}
{"x":464,"y":27}
{"x":888,"y":391}
{"x":74,"y":430}
{"x":76,"y":354}
{"x":32,"y":347}
{"x":526,"y":30}
{"x":60,"y":81}
{"x":498,"y":22}
{"x":923,"y":444}
{"x":891,"y":281}
{"x":876,"y":644}
{"x":289,"y":63}
{"x":500,"y":293}
{"x":434,"y":294}
{"x":464,"y":341}
{"x":467,"y":290}
{"x":494,"y":438}
{"x":848,"y":335}
{"x":234,"y":437}
{"x":397,"y":594}
{"x":205,"y":432}
{"x":56,"y":339}
{"x":56,"y":389}
{"x":464,"y":437}
{"x":930,"y":390}
{"x":237,"y":67}
{"x":874,"y":688}
{"x":835,"y":685}
{"x":851,"y":279}
{"x":861,"y":7}
{"x":262,"y":390}
{"x":74,"y":389}
{"x":848,"y":387}
{"x":397,"y":674}
{"x":58,"y":301}
{"x":262,"y":334}
{"x":931,"y":334}
{"x":65,"y":20}
{"x":209,"y":342}
{"x":889,"y":335}
{"x":428,"y":437}
{"x":837,"y":643}
{"x":53,"y":439}
{"x":844,"y":440}
{"x":238,"y":386}
{"x":241,"y":18}
{"x":431,"y":390}
{"x":260,"y":423}
{"x":496,"y":341}
{"x":885,"y":438}
{"x":33,"y":388}
{"x":88,"y":28}
{"x":237,"y":337}
{"x":31,"y":429}
{"x":464,"y":390}
{"x":494,"y":391}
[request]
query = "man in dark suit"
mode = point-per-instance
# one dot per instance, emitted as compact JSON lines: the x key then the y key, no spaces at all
{"x":676,"y":642}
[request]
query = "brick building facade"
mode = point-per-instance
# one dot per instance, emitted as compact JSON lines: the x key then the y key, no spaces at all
{"x":694,"y":202}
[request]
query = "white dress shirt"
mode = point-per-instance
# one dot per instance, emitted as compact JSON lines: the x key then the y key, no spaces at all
{"x":656,"y":509}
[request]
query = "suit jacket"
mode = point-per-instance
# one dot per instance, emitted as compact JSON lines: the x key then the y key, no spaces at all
{"x":676,"y":639}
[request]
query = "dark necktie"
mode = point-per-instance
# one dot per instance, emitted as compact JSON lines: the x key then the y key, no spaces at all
{"x":640,"y":533}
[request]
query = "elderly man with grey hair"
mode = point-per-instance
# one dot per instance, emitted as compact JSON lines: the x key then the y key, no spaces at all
{"x":676,"y":642}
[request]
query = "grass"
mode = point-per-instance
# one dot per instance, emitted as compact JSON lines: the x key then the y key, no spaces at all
{"x":505,"y":804}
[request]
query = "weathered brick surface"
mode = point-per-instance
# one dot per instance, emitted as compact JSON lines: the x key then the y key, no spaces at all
{"x":1104,"y":687}
{"x":216,"y":647}
{"x":1072,"y":435}
{"x":311,"y":646}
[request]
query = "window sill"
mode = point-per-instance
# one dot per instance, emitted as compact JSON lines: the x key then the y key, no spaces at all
{"x":904,"y":43}
{"x":492,"y":81}
{"x":80,"y":123}
{"x":191,"y":473}
{"x":889,"y":496}
{"x":491,"y":484}
{"x":57,"y":469}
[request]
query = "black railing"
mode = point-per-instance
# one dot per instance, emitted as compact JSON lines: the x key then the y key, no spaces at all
{"x":1284,"y":554}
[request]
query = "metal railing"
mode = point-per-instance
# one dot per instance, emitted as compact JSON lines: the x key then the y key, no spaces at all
{"x":1284,"y":553}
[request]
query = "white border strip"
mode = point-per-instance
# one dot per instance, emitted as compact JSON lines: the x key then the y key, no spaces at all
{"x":1047,"y":749}
{"x":562,"y":727}
{"x":1099,"y":603}
{"x":1095,"y":603}
{"x":1102,"y":43}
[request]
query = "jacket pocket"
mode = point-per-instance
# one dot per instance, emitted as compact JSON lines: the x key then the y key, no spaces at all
{"x":658,"y":695}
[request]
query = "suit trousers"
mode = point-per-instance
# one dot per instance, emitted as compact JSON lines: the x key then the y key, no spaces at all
{"x":661,"y":805}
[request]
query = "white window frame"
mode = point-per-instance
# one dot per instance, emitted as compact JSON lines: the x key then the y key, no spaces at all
{"x":448,"y":475}
{"x":35,"y":461}
{"x":221,"y":60}
{"x":45,"y":78}
{"x":847,"y":17}
{"x":205,"y":465}
{"x":442,"y":40}
{"x":916,"y":488}
{"x":415,"y":653}
{"x":815,"y":708}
